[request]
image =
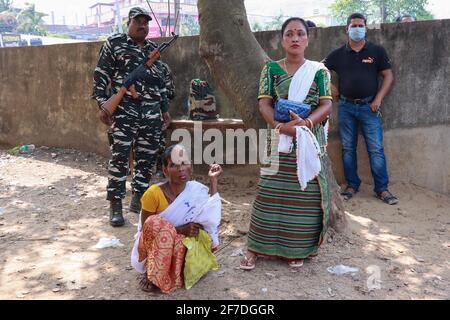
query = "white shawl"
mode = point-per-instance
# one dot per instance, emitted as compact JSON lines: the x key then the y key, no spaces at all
{"x":302,"y":80}
{"x":192,"y":205}
{"x":308,"y":150}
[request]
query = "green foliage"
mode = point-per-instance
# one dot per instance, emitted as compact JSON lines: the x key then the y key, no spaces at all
{"x":341,"y":9}
{"x":8,"y":23}
{"x":30,"y":21}
{"x":189,"y":27}
{"x":400,"y":7}
{"x":276,"y":23}
{"x":59,"y":35}
{"x":14,"y":151}
{"x":255,"y":26}
{"x":102,"y":37}
{"x":377,"y":11}
{"x":115,"y":28}
{"x":5,"y":5}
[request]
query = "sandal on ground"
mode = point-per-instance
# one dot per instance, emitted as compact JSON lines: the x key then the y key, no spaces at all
{"x":295,"y":263}
{"x":389,"y":198}
{"x":348,"y":193}
{"x":248,"y":263}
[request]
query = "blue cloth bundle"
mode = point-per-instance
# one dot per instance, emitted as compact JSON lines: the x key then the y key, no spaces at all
{"x":282,"y":107}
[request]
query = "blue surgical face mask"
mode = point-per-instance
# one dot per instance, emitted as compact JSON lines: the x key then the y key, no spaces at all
{"x":357,"y":34}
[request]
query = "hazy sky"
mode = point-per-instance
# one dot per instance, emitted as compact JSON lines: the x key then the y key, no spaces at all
{"x":79,"y":8}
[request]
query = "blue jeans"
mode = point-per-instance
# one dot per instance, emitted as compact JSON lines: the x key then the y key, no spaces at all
{"x":350,"y":117}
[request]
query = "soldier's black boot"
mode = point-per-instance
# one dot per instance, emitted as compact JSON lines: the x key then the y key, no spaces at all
{"x":135,"y":204}
{"x":115,"y":213}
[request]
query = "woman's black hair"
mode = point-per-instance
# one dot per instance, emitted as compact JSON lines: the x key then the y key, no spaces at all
{"x":283,"y":27}
{"x":311,"y":24}
{"x":167,"y":154}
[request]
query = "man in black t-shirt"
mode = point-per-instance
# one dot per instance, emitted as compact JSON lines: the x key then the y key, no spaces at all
{"x":359,"y":64}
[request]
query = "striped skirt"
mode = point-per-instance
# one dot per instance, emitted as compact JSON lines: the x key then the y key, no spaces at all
{"x":286,"y":222}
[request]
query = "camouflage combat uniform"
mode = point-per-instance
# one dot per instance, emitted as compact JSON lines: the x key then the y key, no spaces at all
{"x":135,"y":122}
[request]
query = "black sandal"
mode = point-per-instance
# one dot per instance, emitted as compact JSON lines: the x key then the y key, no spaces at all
{"x":348,"y":193}
{"x":389,"y":198}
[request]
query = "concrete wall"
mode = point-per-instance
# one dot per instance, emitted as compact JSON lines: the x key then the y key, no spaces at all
{"x":420,"y":56}
{"x":45,"y":96}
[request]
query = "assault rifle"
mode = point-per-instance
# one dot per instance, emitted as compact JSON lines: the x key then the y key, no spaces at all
{"x":110,"y":106}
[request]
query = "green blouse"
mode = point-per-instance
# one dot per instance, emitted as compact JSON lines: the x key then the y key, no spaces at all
{"x":274,"y":83}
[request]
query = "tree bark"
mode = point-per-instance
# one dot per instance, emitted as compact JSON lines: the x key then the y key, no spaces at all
{"x":233,"y":55}
{"x":338,"y":219}
{"x":235,"y":59}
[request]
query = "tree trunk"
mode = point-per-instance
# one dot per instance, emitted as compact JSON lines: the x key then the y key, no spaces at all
{"x":383,"y":11}
{"x":235,"y":60}
{"x":233,"y":55}
{"x":338,"y":220}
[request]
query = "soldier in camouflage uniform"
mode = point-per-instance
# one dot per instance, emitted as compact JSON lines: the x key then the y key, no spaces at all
{"x":136,"y":121}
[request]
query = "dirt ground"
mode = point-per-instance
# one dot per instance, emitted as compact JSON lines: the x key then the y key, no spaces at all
{"x":53,"y":212}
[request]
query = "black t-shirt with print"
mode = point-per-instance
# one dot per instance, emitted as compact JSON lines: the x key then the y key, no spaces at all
{"x":358,"y":71}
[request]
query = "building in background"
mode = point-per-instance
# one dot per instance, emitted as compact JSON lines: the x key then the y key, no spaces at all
{"x":101,"y":14}
{"x":87,"y":33}
{"x":10,"y":40}
{"x":267,"y":16}
{"x":317,"y":11}
{"x":115,"y":13}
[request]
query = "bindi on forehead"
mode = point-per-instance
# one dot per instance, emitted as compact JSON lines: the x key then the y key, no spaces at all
{"x":295,"y":26}
{"x":297,"y":29}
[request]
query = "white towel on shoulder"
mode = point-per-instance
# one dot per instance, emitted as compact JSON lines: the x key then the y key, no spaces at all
{"x":302,"y":80}
{"x":308,"y":150}
{"x":298,"y":90}
{"x":308,"y":153}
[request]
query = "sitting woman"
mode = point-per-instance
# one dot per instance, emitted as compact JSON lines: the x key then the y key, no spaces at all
{"x":172,"y":211}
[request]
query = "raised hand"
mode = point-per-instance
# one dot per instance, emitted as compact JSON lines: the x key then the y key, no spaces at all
{"x":215,"y":170}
